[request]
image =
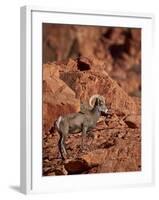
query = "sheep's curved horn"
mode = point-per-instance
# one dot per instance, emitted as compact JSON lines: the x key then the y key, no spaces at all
{"x":93,"y":97}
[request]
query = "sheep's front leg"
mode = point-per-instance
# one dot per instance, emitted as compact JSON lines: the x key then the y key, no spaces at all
{"x":84,"y":131}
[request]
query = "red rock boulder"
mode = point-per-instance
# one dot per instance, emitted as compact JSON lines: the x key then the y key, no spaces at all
{"x":58,"y":98}
{"x":87,"y":83}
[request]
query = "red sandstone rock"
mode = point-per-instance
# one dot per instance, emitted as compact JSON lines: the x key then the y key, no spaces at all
{"x":76,"y":166}
{"x":50,"y":71}
{"x":96,"y":157}
{"x":89,"y":83}
{"x":85,"y":162}
{"x":57,"y":42}
{"x":133,"y":121}
{"x":60,"y":170}
{"x":58,"y":98}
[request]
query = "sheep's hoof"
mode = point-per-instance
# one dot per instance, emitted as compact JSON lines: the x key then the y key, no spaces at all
{"x":59,"y":156}
{"x":64,"y":157}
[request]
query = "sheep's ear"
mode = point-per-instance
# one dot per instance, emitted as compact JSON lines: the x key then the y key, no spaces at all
{"x":97,"y":102}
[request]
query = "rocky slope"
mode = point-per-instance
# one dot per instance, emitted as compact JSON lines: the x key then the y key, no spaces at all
{"x":114,"y":144}
{"x":79,"y":62}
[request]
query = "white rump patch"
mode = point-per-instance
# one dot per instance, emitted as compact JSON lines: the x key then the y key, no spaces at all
{"x":106,"y":110}
{"x":58,"y":122}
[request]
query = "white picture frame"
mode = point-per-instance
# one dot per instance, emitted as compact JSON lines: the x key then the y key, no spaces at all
{"x":31,"y":101}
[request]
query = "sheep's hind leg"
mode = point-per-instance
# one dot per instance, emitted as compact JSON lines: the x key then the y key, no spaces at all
{"x":62,"y":146}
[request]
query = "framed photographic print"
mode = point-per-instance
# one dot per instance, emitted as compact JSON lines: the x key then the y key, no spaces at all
{"x":86,"y":100}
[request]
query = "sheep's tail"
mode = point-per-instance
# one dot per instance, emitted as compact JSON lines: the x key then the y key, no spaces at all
{"x":55,"y":127}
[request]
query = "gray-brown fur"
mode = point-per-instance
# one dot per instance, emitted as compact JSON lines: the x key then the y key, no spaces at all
{"x":77,"y":122}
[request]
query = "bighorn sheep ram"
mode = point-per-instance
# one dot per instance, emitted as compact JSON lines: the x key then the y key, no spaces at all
{"x":76,"y":122}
